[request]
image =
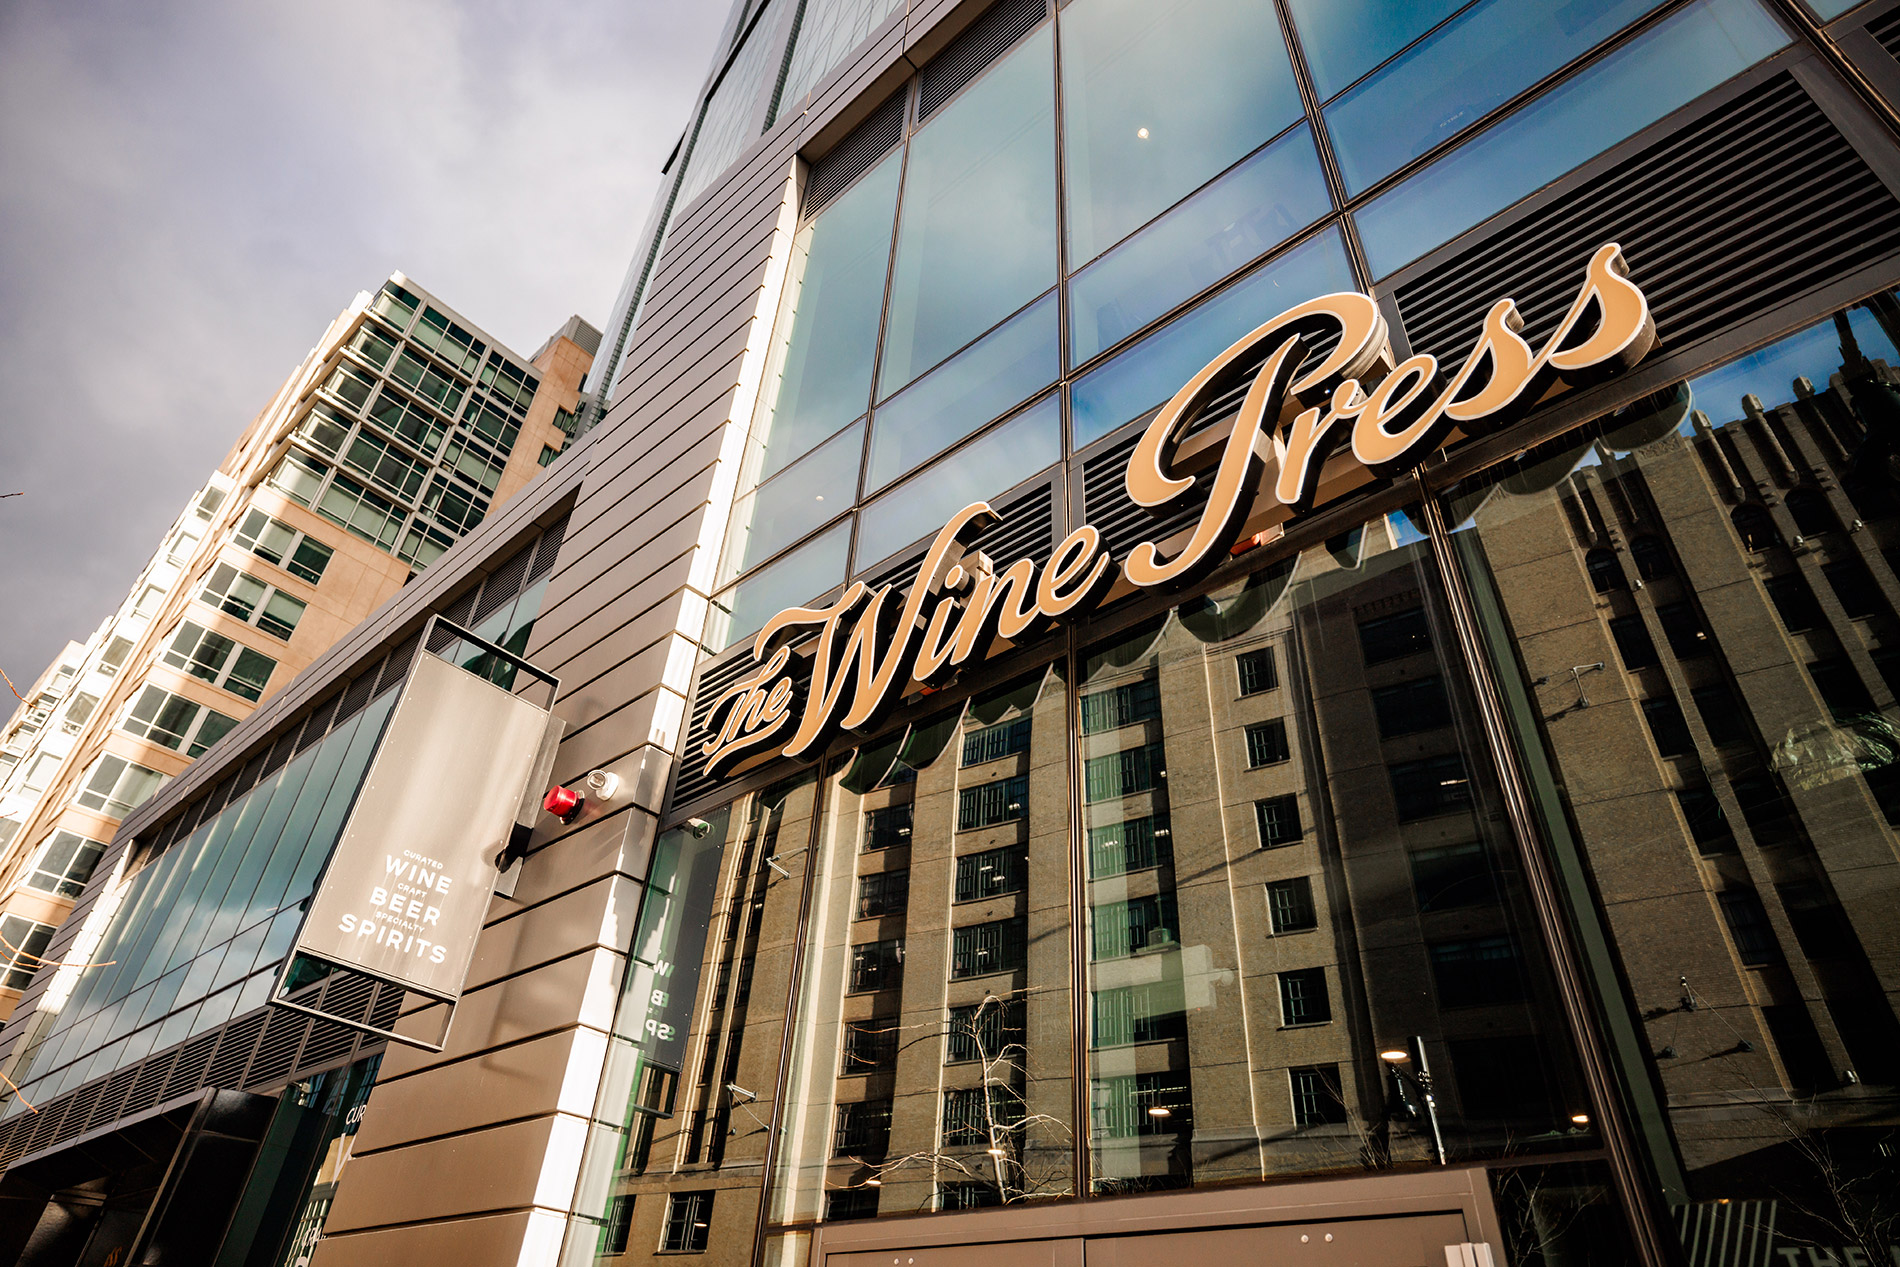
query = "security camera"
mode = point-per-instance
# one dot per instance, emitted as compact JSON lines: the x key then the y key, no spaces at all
{"x":699,"y":827}
{"x":602,"y":785}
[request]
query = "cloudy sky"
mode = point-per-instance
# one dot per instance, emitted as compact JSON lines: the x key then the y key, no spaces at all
{"x":191,"y":189}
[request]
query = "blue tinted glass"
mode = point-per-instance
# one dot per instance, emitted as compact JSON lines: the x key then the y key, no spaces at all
{"x":1831,"y":8}
{"x":357,"y":740}
{"x":312,"y":785}
{"x":974,"y":388}
{"x":733,"y":112}
{"x":1343,"y":39}
{"x":1152,"y":370}
{"x":794,"y":580}
{"x":235,"y":903}
{"x":978,"y":238}
{"x":242,"y":953}
{"x":828,"y":321}
{"x":1157,"y":97}
{"x":1683,"y":57}
{"x":827,"y":31}
{"x":1226,"y":226}
{"x":1815,"y":354}
{"x":1018,"y":449}
{"x":784,"y":509}
{"x":1470,"y":67}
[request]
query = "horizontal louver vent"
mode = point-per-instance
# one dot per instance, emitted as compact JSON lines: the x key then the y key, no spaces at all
{"x":1025,"y":530}
{"x":234,"y":1052}
{"x":1887,"y":32}
{"x":692,"y":782}
{"x":1123,"y":523}
{"x":988,"y":38}
{"x":853,"y":156}
{"x":1758,"y":203}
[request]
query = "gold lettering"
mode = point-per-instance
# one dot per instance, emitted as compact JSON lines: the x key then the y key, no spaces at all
{"x":1058,"y":593}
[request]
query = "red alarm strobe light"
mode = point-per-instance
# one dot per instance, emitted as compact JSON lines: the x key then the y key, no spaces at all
{"x":564,"y":803}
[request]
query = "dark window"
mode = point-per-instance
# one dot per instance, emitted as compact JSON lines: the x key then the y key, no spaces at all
{"x":1134,"y":845}
{"x":1840,"y":687}
{"x":1257,"y":671}
{"x":1317,"y":1100}
{"x":1121,"y":928}
{"x":871,"y":1045}
{"x":886,"y":827}
{"x":1137,"y":1014}
{"x":1446,"y":877}
{"x":1820,"y":925}
{"x":1266,"y":743}
{"x":1000,"y":946}
{"x":613,"y":1234}
{"x":1748,"y":925}
{"x":1123,"y":773}
{"x":1755,"y":527}
{"x":1708,"y":821}
{"x":981,"y":1031}
{"x":1721,"y":713}
{"x":1278,"y":818}
{"x":864,"y":1129}
{"x":1476,"y":972}
{"x":1290,"y":904}
{"x":1303,"y":997}
{"x":966,"y":1194}
{"x":1436,"y":785}
{"x":989,"y":804}
{"x":877,"y":965}
{"x":1501,"y":1078}
{"x":851,"y":1203}
{"x":1145,"y":1104}
{"x":884,"y":893}
{"x":1122,"y":705}
{"x":1766,"y":809}
{"x":1794,"y":602}
{"x":971,"y":1115}
{"x":688,"y":1216}
{"x":992,"y":743}
{"x":1411,"y":707}
{"x":1400,"y":634}
{"x":1606,"y":571}
{"x":992,"y":872}
{"x":1668,"y":726}
{"x":1652,"y":558}
{"x":1812,"y":514}
{"x":1633,"y":642}
{"x":1683,"y":627}
{"x":1855,"y":586}
{"x":1799,"y":1043}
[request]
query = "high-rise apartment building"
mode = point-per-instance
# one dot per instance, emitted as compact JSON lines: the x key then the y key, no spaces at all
{"x":399,"y":432}
{"x":1116,"y":701}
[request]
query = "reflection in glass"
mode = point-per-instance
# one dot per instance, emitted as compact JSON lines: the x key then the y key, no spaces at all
{"x":827,"y":325}
{"x":1156,"y":99}
{"x":1261,"y":930}
{"x":1026,"y":444}
{"x":1343,"y":39}
{"x":1668,"y":66}
{"x":978,"y":236}
{"x":1143,"y":376}
{"x":976,"y":1103}
{"x":1744,"y":850}
{"x":731,"y":120}
{"x":786,"y":508}
{"x":979,"y":384}
{"x":827,"y":30}
{"x":1233,"y":221}
{"x":741,"y":610}
{"x":1461,"y":72}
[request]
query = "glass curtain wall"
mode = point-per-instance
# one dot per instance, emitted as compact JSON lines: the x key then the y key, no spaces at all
{"x":980,"y":262}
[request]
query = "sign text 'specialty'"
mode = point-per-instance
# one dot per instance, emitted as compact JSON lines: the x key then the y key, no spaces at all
{"x":872,"y":644}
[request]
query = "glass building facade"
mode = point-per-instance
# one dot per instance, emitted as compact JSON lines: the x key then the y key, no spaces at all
{"x":1491,"y":862}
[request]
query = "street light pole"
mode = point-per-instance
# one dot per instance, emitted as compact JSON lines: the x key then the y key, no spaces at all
{"x":1413,"y":1052}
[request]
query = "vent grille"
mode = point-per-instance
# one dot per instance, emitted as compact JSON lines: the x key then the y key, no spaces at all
{"x":277,"y":1053}
{"x":988,"y":38}
{"x":1887,"y":32}
{"x":1026,"y":530}
{"x":504,"y":584}
{"x":693,"y":782}
{"x":193,"y":1059}
{"x":1758,"y":203}
{"x":550,"y":547}
{"x":234,"y":1053}
{"x":397,"y":662}
{"x":388,"y":1007}
{"x":150,"y":1087}
{"x":1123,"y":524}
{"x":855,"y":155}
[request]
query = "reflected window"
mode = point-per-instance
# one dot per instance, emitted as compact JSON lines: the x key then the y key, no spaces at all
{"x":1317,"y":1098}
{"x":1304,"y":999}
{"x":1748,"y":924}
{"x":1266,"y":744}
{"x":1257,"y":671}
{"x":688,"y":1218}
{"x":1290,"y":905}
{"x":1606,"y":571}
{"x":1855,"y":587}
{"x":1668,"y":727}
{"x":1652,"y":558}
{"x":1391,"y":637}
{"x":1477,"y":972}
{"x":1409,"y":708}
{"x":1428,"y":788}
{"x":1633,"y":644}
{"x":1811,"y":511}
{"x":1278,"y":821}
{"x":999,"y":946}
{"x":1446,"y":877}
{"x":883,"y":893}
{"x":887,"y":827}
{"x":990,"y":804}
{"x":877,"y":965}
{"x":1794,"y":602}
{"x":992,"y":873}
{"x":1755,"y":526}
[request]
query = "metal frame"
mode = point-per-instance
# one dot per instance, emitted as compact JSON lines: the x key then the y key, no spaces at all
{"x":279,"y":996}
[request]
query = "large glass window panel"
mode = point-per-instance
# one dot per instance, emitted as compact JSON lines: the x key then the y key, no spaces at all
{"x":827,"y":335}
{"x":826,"y":32}
{"x":978,"y":235}
{"x":1343,"y":39}
{"x":1159,"y":97}
{"x":1759,"y":967}
{"x":1464,"y":70}
{"x":784,"y":509}
{"x":741,"y":610}
{"x":1192,"y":970}
{"x":735,"y":109}
{"x":1145,"y":375}
{"x":1229,"y":224}
{"x":1681,"y":58}
{"x":979,"y":384}
{"x":357,"y":739}
{"x":1027,"y":443}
